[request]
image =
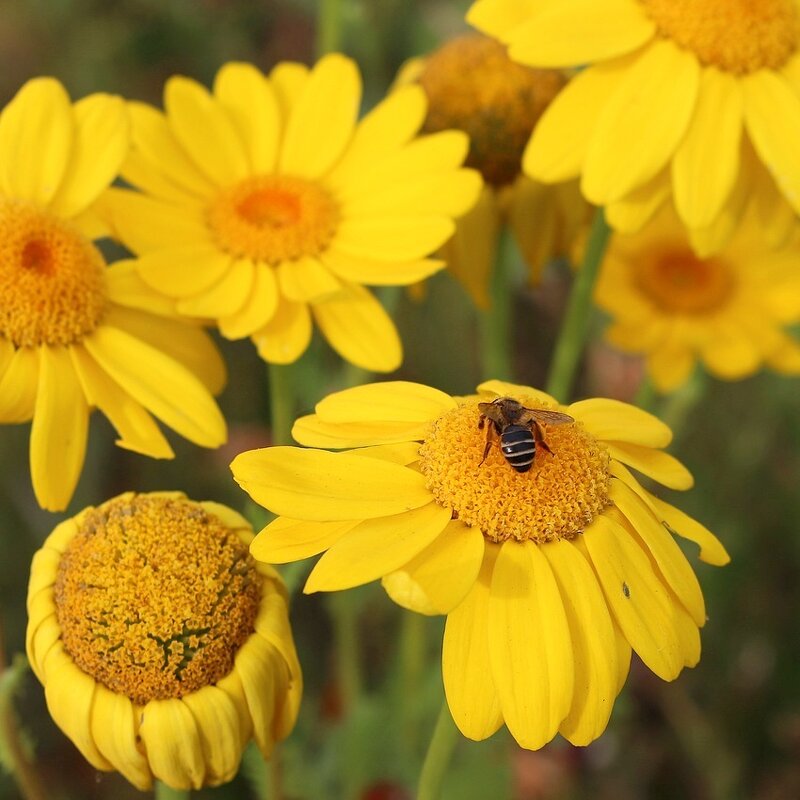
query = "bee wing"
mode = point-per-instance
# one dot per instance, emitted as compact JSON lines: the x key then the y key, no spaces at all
{"x":549,"y":417}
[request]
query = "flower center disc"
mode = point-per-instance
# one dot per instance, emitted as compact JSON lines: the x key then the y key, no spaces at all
{"x":274,"y":218}
{"x":472,"y":85}
{"x":738,"y":36}
{"x":679,"y":281}
{"x":52,"y":279}
{"x":155,"y":596}
{"x":556,"y":499}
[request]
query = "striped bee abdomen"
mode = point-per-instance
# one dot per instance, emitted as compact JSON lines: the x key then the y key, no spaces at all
{"x":518,"y":446}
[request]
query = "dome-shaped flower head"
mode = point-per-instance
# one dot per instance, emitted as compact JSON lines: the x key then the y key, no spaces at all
{"x":549,"y":575}
{"x":473,"y":85}
{"x":162,"y":646}
{"x":697,"y":99}
{"x":74,"y":334}
{"x":729,"y":310}
{"x":265,"y":203}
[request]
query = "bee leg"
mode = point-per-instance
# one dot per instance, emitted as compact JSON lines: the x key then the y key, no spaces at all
{"x":538,"y":437}
{"x":489,"y":440}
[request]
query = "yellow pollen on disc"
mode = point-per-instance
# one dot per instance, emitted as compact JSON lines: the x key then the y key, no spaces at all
{"x":556,"y":499}
{"x":155,"y":596}
{"x":274,"y":218}
{"x":472,"y":85}
{"x":52,"y":278}
{"x":677,"y":281}
{"x":738,"y":36}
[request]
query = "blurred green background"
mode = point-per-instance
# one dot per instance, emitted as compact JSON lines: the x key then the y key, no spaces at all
{"x":729,"y":728}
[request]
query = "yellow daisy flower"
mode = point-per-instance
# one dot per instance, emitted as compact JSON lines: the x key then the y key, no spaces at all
{"x":728,"y":310}
{"x":265,"y":203}
{"x":549,"y":577}
{"x":75,"y":335}
{"x":162,"y":647}
{"x":699,"y":99}
{"x":473,"y":86}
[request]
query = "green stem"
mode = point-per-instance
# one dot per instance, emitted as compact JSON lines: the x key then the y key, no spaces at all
{"x":413,"y":629}
{"x":164,"y":792}
{"x":329,"y":27}
{"x":440,"y":751}
{"x":496,"y":322}
{"x":281,"y":402}
{"x":646,"y":396}
{"x":574,"y":329}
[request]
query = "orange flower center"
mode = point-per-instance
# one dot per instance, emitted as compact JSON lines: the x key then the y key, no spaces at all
{"x":738,"y":36}
{"x":472,"y":85}
{"x":676,"y":280}
{"x":560,"y":495}
{"x":274,"y":218}
{"x":52,"y":278}
{"x":155,"y":596}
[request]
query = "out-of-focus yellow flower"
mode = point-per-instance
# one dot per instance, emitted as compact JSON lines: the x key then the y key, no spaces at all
{"x":265,"y":203}
{"x":472,"y":85}
{"x":73,"y":334}
{"x":163,"y":648}
{"x":728,"y":310}
{"x":694,"y":99}
{"x":548,"y":577}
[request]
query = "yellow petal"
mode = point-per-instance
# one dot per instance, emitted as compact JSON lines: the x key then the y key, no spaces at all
{"x":376,"y":272}
{"x":401,"y":453}
{"x":113,"y":728}
{"x":226,"y":296}
{"x":530,"y":645}
{"x":162,"y":385}
{"x":671,"y":561}
{"x":653,"y":103}
{"x":6,"y":354}
{"x":306,"y":280}
{"x":641,"y":604}
{"x":772,"y":117}
{"x":670,"y":366}
{"x":501,"y":388}
{"x":59,"y":431}
{"x":126,"y":288}
{"x":18,"y":386}
{"x":102,"y":139}
{"x":730,"y":352}
{"x":376,"y":547}
{"x":41,"y":638}
{"x":359,"y":329}
{"x":322,"y":118}
{"x":286,"y":539}
{"x":170,"y":737}
{"x":499,"y":18}
{"x":184,"y":270}
{"x":205,"y":131}
{"x":438,"y":578}
{"x":466,"y":669}
{"x":594,"y":649}
{"x":573,"y":32}
{"x":631,"y":213}
{"x":151,"y":180}
{"x":316,"y":485}
{"x":258,"y":665}
{"x":251,"y":102}
{"x":656,"y":464}
{"x":288,"y":78}
{"x":706,"y":164}
{"x":612,"y":419}
{"x":36,"y":135}
{"x":395,"y":401}
{"x":287,"y":334}
{"x":394,"y":238}
{"x":623,"y":657}
{"x":258,"y":308}
{"x":313,"y":432}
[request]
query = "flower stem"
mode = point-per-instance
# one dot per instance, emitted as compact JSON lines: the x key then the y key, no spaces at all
{"x":572,"y":336}
{"x":413,"y":630}
{"x":281,"y":402}
{"x":329,"y":26}
{"x":496,"y":322}
{"x":164,"y":792}
{"x":440,"y":751}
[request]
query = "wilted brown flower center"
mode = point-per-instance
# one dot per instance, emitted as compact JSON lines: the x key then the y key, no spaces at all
{"x":154,"y":597}
{"x":556,"y":499}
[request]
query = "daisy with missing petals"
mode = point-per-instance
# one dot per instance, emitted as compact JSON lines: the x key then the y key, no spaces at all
{"x":549,"y":577}
{"x":163,"y":648}
{"x":472,"y":85}
{"x":74,"y":334}
{"x":697,"y":99}
{"x":265,"y":203}
{"x":728,"y":311}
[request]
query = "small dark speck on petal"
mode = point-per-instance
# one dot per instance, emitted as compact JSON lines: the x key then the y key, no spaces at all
{"x":625,"y":590}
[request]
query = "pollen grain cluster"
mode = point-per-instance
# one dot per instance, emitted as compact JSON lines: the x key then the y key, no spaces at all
{"x":154,"y":596}
{"x":556,"y":499}
{"x":52,"y":279}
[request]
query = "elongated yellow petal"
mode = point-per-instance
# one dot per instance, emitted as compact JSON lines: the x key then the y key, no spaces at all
{"x":401,"y":453}
{"x":258,"y":308}
{"x":6,"y":354}
{"x":632,"y":212}
{"x":438,"y":578}
{"x":40,"y":639}
{"x":393,"y":238}
{"x":377,"y":547}
{"x":313,"y":432}
{"x":612,"y":419}
{"x":379,"y":273}
{"x":670,"y":365}
{"x":307,"y":280}
{"x":466,"y":670}
{"x":172,"y":741}
{"x":225,"y":297}
{"x":18,"y":386}
{"x":530,"y":648}
{"x":286,"y":539}
{"x":501,"y":388}
{"x":328,"y":486}
{"x":656,"y":464}
{"x":287,"y":334}
{"x":594,"y":650}
{"x":623,"y":657}
{"x":126,"y":288}
{"x":184,"y":270}
{"x":59,"y":430}
{"x":712,"y":550}
{"x":258,"y":664}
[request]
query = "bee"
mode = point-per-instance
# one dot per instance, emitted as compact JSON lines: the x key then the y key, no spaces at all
{"x":519,"y":429}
